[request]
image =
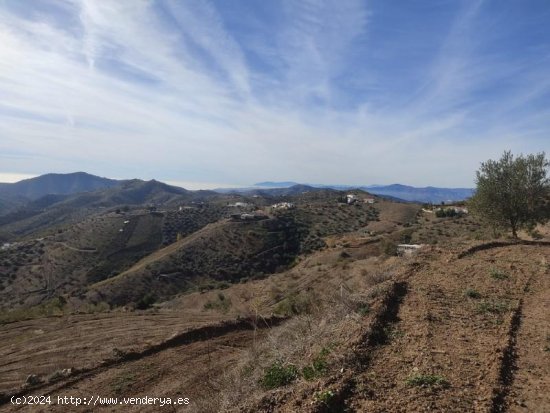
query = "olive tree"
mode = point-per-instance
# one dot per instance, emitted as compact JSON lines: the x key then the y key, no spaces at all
{"x":513,"y":192}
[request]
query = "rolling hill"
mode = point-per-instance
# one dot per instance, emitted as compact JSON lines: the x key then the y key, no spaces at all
{"x":58,"y":184}
{"x":395,"y":191}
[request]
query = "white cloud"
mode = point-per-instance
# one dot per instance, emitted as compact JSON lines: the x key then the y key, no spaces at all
{"x":126,"y":91}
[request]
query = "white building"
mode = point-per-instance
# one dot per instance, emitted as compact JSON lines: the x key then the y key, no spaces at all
{"x":283,"y":205}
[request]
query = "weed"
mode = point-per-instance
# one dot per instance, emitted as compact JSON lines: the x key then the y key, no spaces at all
{"x":278,"y":375}
{"x":471,"y":293}
{"x":294,"y":304}
{"x":425,"y":380}
{"x":318,"y":367}
{"x":122,"y":383}
{"x":392,"y":332}
{"x":222,"y":303}
{"x":494,"y":307}
{"x":325,"y":396}
{"x":498,"y":274}
{"x":364,"y":310}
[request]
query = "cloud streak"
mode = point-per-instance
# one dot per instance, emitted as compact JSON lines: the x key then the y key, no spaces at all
{"x":313,"y":91}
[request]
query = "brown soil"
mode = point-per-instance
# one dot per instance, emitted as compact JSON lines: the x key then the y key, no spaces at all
{"x":456,"y":335}
{"x":46,"y":345}
{"x":468,"y":334}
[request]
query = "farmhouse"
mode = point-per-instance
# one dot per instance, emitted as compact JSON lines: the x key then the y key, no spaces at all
{"x":283,"y":205}
{"x":240,"y":205}
{"x":408,"y":249}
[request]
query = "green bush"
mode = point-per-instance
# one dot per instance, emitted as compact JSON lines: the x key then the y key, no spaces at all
{"x":318,"y":367}
{"x":325,"y":397}
{"x":146,"y":302}
{"x":278,"y":375}
{"x":471,"y":293}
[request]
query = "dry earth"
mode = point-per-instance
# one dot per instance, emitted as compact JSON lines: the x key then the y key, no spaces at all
{"x":457,"y":333}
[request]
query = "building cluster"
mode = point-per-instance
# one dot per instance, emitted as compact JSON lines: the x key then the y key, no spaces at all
{"x":353,"y":199}
{"x":283,"y":205}
{"x":248,"y":217}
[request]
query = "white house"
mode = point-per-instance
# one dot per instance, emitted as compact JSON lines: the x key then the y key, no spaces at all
{"x":407,"y":249}
{"x":283,"y":205}
{"x":351,"y":199}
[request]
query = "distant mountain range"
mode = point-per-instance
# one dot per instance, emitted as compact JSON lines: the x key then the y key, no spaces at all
{"x":73,"y":191}
{"x":52,"y":188}
{"x":397,"y":191}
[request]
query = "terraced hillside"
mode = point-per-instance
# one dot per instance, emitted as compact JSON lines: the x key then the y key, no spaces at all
{"x":308,"y":309}
{"x":435,"y":331}
{"x":455,"y":334}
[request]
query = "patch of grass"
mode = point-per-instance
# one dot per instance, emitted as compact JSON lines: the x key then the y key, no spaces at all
{"x":392,"y":332}
{"x":364,"y":310}
{"x":222,"y":303}
{"x":278,"y":375}
{"x":123,"y":382}
{"x":325,"y":396}
{"x":54,"y":307}
{"x":493,"y":307}
{"x":294,"y":304}
{"x":471,"y":293}
{"x":318,"y":367}
{"x":498,"y":274}
{"x":427,"y":380}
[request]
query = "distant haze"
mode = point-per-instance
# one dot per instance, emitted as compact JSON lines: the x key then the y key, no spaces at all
{"x":225,"y":93}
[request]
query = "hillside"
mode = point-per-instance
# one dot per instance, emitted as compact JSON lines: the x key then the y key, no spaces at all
{"x":428,"y":194}
{"x":53,"y":211}
{"x":366,"y":334}
{"x":58,"y":184}
{"x":396,"y":191}
{"x":314,"y":291}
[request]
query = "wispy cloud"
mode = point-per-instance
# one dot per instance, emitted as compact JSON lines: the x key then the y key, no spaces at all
{"x":314,"y":91}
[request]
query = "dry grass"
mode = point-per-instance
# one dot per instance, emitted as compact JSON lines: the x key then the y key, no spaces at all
{"x":313,"y":344}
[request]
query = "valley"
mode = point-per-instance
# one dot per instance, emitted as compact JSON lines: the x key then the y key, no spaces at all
{"x":309,"y":307}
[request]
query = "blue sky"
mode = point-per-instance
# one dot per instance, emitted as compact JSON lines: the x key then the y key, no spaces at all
{"x":222,"y":93}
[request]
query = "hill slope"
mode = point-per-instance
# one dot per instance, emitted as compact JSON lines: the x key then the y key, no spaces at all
{"x":60,"y":184}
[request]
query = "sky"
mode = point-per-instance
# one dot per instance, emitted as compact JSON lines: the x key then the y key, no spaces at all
{"x":228,"y":93}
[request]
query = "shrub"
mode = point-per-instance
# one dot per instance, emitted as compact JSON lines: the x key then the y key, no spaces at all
{"x":471,"y":293}
{"x":498,"y":274}
{"x":388,"y":247}
{"x":146,"y":302}
{"x":364,"y":310}
{"x":318,"y":367}
{"x":278,"y":375}
{"x":325,"y":397}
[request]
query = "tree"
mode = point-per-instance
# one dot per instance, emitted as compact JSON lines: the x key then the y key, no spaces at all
{"x":513,"y":192}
